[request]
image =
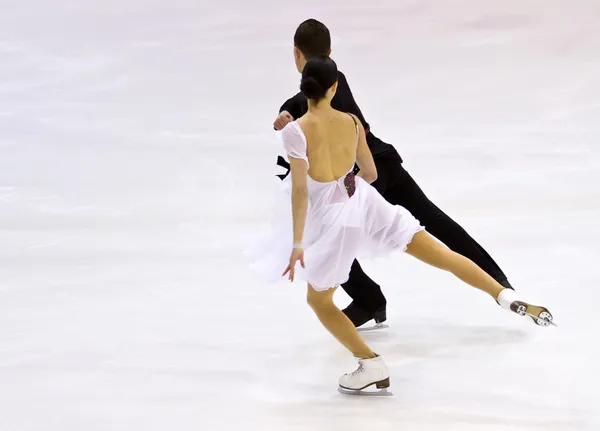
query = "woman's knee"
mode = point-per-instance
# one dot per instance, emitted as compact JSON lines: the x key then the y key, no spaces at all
{"x":319,"y":299}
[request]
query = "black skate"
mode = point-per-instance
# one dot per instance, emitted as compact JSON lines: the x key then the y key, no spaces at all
{"x":359,"y":316}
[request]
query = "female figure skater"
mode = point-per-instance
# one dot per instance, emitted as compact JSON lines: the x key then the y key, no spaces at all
{"x":336,"y":214}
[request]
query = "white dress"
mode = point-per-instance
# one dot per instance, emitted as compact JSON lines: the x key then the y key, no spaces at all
{"x":341,"y":224}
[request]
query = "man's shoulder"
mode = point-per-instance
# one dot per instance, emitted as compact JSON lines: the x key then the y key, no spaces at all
{"x":342,"y":81}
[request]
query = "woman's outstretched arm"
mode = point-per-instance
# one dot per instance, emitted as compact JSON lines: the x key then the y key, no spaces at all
{"x":299,"y":172}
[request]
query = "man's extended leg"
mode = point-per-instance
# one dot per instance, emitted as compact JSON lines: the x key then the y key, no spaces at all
{"x":407,"y":193}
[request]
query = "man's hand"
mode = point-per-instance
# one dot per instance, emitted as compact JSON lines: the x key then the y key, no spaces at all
{"x":282,"y":120}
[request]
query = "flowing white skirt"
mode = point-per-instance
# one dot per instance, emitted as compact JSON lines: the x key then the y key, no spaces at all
{"x":336,"y":233}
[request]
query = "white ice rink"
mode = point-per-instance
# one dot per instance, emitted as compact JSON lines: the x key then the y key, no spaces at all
{"x":137,"y":161}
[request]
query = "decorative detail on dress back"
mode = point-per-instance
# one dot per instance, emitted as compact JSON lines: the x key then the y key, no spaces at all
{"x":350,"y":183}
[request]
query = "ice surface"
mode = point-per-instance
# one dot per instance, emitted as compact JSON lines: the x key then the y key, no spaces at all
{"x":137,"y":160}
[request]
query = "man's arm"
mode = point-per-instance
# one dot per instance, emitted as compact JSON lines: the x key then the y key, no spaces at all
{"x":291,"y":110}
{"x":296,"y":106}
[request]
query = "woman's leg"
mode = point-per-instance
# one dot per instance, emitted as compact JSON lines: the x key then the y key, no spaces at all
{"x":408,"y":194}
{"x":425,"y":248}
{"x":337,"y":323}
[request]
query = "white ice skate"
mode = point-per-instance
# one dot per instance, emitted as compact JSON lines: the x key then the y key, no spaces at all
{"x":508,"y":299}
{"x":369,"y":372}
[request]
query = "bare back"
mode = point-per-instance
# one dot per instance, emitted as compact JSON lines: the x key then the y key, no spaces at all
{"x":332,"y":141}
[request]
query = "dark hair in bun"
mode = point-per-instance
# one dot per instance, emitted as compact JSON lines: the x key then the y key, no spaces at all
{"x":318,"y":75}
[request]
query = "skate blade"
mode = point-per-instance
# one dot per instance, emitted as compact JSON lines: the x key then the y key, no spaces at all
{"x":547,"y":320}
{"x":375,"y":327}
{"x":540,"y":315}
{"x":362,"y":393}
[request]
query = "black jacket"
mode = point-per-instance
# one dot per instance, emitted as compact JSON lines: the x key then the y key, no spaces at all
{"x":343,"y":101}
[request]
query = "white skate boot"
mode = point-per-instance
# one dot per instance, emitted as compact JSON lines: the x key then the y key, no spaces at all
{"x":508,"y":300}
{"x":369,"y":372}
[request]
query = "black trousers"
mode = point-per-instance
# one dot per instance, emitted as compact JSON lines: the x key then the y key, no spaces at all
{"x":397,"y":187}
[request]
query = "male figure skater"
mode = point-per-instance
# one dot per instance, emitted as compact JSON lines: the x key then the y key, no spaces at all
{"x":312,"y":39}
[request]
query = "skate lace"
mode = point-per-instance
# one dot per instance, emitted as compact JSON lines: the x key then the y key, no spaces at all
{"x":359,"y":370}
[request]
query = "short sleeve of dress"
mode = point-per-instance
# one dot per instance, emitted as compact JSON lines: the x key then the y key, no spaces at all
{"x":294,"y":141}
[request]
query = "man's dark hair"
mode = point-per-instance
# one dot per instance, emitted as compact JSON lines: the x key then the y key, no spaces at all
{"x":312,"y":39}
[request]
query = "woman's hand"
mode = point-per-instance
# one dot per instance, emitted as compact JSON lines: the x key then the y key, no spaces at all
{"x":297,"y":255}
